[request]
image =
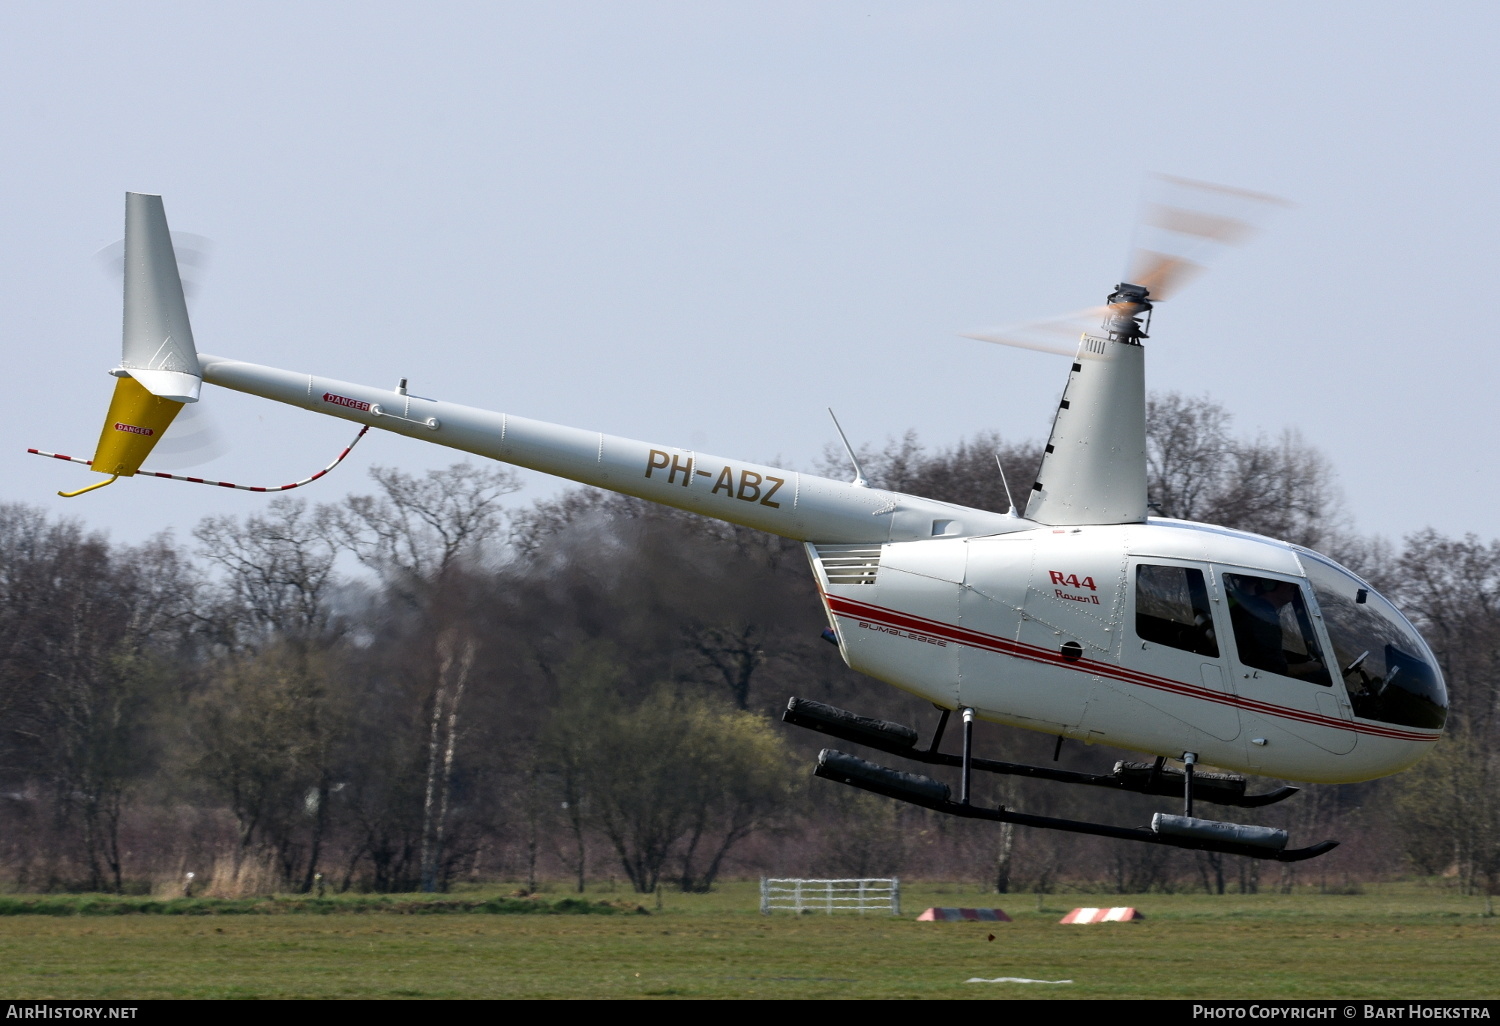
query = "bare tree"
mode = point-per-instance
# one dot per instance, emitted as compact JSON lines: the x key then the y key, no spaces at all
{"x":1281,"y":487}
{"x":266,"y":728}
{"x":415,"y":528}
{"x":964,"y":473}
{"x":455,"y":660}
{"x":671,"y":776}
{"x":742,"y":781}
{"x":1451,"y":588}
{"x":271,"y":723}
{"x":278,"y":570}
{"x":1188,"y":454}
{"x":424,"y":538}
{"x":86,"y":629}
{"x":1450,"y":802}
{"x":734,"y":652}
{"x":587,"y":688}
{"x":1450,"y":811}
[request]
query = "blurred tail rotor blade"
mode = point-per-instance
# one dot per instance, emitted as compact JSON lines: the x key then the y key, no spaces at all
{"x":197,"y":437}
{"x":194,"y":253}
{"x":1186,"y":223}
{"x":1054,"y":335}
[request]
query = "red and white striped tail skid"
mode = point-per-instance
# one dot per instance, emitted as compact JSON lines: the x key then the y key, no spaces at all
{"x":952,"y":915}
{"x":222,"y":484}
{"x":1101,"y":915}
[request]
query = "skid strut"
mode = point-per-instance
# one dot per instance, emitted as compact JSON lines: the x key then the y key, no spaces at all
{"x":968,"y":756}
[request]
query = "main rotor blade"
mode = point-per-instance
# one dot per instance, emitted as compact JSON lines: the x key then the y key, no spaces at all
{"x":1161,"y":273}
{"x":1181,"y":228}
{"x":1186,"y":225}
{"x":1015,"y":343}
{"x":1057,"y":335}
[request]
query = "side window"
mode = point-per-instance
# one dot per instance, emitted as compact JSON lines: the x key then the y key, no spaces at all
{"x":1171,"y":608}
{"x":1272,"y":630}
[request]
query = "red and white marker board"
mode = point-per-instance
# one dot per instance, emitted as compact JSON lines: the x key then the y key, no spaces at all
{"x":951,"y":915}
{"x":1101,"y":915}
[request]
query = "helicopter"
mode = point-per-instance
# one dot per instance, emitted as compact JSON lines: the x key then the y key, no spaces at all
{"x":1085,"y":616}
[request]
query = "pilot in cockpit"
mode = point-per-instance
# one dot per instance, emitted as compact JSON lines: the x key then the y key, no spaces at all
{"x":1270,"y":627}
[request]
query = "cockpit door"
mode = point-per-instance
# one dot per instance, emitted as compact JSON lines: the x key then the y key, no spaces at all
{"x":1279,"y":663}
{"x":1172,"y":642}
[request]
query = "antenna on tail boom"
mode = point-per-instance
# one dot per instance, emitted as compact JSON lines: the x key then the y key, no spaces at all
{"x":859,"y":475}
{"x":1008,"y":497}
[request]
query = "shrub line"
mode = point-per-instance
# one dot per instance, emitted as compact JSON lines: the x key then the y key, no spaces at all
{"x":102,"y":905}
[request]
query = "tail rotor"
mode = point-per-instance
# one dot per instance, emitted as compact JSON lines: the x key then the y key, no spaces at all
{"x":158,"y":373}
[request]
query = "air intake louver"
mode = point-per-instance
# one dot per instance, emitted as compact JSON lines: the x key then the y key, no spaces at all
{"x":849,"y":564}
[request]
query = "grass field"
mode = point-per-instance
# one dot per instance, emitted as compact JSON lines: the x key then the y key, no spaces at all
{"x":1401,"y":941}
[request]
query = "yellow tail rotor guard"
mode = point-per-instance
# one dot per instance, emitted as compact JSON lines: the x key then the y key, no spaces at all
{"x":134,"y":425}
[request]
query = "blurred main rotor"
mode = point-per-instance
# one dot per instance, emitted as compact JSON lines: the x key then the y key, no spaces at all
{"x":1183,"y":226}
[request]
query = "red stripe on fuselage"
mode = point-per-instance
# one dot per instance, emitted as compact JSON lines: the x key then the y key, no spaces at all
{"x":974,"y":639}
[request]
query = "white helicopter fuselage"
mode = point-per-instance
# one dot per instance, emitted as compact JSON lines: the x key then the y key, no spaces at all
{"x":1038,"y":629}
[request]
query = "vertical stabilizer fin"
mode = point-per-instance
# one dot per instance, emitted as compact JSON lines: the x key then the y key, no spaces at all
{"x":1094,"y":467}
{"x":158,"y":349}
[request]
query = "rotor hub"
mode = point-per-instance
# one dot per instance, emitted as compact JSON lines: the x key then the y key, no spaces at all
{"x":1128,"y":306}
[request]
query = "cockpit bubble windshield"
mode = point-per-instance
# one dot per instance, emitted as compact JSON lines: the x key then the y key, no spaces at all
{"x":1389,"y":670}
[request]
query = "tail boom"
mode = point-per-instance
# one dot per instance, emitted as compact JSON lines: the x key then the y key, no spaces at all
{"x":783,"y":502}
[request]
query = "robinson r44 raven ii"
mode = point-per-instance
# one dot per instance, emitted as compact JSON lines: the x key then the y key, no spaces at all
{"x":1084,"y":618}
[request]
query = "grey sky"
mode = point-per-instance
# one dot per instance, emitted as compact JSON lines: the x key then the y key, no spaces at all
{"x":701,"y":223}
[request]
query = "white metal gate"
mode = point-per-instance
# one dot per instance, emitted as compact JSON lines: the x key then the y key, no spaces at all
{"x":866,"y":894}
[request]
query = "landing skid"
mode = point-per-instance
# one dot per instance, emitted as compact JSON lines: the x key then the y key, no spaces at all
{"x":1174,"y":831}
{"x":1139,"y":778}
